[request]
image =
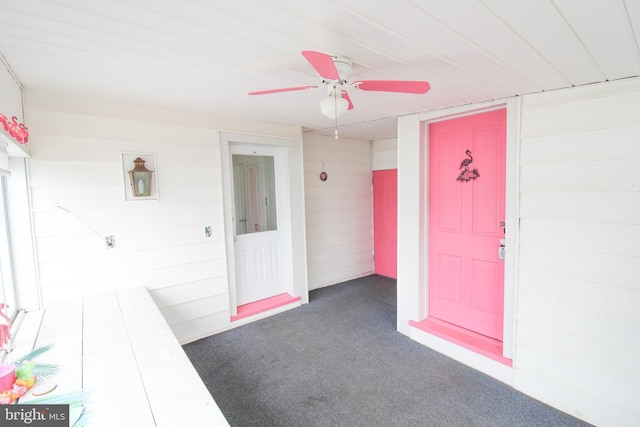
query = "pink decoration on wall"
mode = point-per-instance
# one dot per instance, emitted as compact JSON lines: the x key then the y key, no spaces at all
{"x":17,"y":130}
{"x":21,"y":134}
{"x":9,"y":126}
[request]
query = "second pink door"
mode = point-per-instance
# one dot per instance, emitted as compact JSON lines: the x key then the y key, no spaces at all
{"x":385,"y":203}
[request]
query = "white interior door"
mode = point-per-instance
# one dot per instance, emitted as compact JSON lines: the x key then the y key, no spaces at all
{"x":262,"y":249}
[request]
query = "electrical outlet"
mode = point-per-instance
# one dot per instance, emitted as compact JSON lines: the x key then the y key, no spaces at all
{"x":110,"y":241}
{"x":207,"y":231}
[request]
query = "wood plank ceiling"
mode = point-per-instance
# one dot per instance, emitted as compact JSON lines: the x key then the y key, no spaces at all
{"x":205,"y":55}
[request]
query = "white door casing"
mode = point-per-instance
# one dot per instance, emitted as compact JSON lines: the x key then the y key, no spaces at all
{"x":288,"y":261}
{"x":413,"y":270}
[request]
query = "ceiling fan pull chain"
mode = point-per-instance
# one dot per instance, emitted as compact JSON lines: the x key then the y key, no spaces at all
{"x":335,"y":102}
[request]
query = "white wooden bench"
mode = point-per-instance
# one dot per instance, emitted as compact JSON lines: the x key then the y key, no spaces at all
{"x":118,"y":348}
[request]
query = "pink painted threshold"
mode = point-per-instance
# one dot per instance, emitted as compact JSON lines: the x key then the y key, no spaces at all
{"x":470,"y":340}
{"x":263,"y":305}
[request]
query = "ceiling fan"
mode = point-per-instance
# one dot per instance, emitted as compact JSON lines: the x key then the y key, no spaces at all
{"x":335,"y":71}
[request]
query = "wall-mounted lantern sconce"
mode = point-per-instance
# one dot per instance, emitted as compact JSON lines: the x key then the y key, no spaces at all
{"x":141,"y":179}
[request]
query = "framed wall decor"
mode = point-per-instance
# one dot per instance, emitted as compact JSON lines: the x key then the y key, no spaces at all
{"x":140,"y":176}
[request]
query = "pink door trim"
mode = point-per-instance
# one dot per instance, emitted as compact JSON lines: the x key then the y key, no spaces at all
{"x":257,"y":307}
{"x":477,"y":343}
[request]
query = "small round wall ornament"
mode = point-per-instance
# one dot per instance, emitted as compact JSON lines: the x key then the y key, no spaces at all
{"x":323,"y":174}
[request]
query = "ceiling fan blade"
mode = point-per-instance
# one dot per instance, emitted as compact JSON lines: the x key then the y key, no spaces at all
{"x":404,"y":86}
{"x":322,"y":63}
{"x":284,"y":89}
{"x":345,"y":95}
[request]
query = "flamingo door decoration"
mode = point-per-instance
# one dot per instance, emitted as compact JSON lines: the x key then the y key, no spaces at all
{"x":467,"y":175}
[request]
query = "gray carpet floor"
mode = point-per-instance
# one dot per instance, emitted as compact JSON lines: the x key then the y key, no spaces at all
{"x":339,"y":361}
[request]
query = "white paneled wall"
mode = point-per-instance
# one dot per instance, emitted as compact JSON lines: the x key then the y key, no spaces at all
{"x":10,"y":105}
{"x":76,"y":162}
{"x":578,"y":322}
{"x":384,"y":154}
{"x":339,"y":211}
{"x":10,"y":95}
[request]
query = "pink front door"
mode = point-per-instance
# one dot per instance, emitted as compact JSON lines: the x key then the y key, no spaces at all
{"x":466,"y":209}
{"x":385,"y":203}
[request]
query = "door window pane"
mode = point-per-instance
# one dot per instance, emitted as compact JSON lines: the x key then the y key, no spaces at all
{"x":254,"y":193}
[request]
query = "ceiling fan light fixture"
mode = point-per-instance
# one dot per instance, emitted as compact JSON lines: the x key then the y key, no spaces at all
{"x":333,"y":106}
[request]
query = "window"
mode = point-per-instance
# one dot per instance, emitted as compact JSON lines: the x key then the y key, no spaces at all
{"x":254,"y":193}
{"x":7,"y":285}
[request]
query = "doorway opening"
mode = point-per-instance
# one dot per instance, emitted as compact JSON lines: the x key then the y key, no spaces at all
{"x":262,"y":208}
{"x":464,"y":245}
